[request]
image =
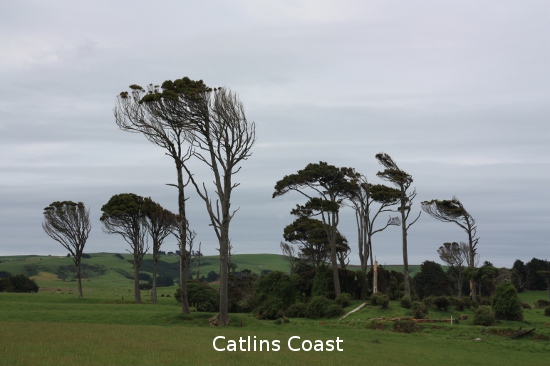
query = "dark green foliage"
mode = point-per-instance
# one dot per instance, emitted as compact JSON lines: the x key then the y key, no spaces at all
{"x":459,"y":304}
{"x":519,"y":275}
{"x":547,"y":311}
{"x":406,"y":326}
{"x":535,"y":280}
{"x":68,"y":272}
{"x":442,"y":303}
{"x":405,"y":302}
{"x":31,"y":269}
{"x":201,"y":296}
{"x":303,"y":280}
{"x":333,"y":311}
{"x":145,"y":276}
{"x":484,"y":316}
{"x":429,"y":301}
{"x":18,"y":283}
{"x":145,"y":286}
{"x":431,"y":280}
{"x":165,"y":281}
{"x":273,"y":294}
{"x":419,"y":309}
{"x":296,"y":310}
{"x":389,"y":282}
{"x":348,"y":281}
{"x":525,"y":305}
{"x":318,"y":307}
{"x":119,"y":256}
{"x":212,"y":276}
{"x":380,"y":299}
{"x":241,"y":291}
{"x":343,"y":300}
{"x":323,"y":284}
{"x":541,"y":304}
{"x":124,"y":273}
{"x":4,"y":274}
{"x":506,"y":304}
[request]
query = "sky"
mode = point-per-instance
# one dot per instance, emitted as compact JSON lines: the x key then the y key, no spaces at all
{"x":457,"y":93}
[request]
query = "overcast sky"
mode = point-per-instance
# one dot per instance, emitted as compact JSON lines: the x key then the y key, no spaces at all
{"x":458,"y":93}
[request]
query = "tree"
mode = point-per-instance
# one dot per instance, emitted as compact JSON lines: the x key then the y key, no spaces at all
{"x":455,"y":255}
{"x":453,"y":211}
{"x":506,"y":304}
{"x":160,"y":223}
{"x":431,"y":280}
{"x":162,"y":117}
{"x":519,"y":275}
{"x":68,"y":223}
{"x":402,"y":181}
{"x":362,"y":201}
{"x":331,"y":185}
{"x":290,"y":255}
{"x":124,"y":214}
{"x":222,"y":138}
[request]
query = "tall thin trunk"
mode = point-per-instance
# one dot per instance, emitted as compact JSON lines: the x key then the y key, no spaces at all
{"x":155,"y":263}
{"x":405,"y":251}
{"x":79,"y":278}
{"x":184,"y":269}
{"x":137,"y":291}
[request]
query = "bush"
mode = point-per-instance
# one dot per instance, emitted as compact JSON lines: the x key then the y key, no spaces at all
{"x":405,"y":302}
{"x":506,"y":304}
{"x":541,"y":304}
{"x":442,"y":303}
{"x":547,"y":311}
{"x":458,"y":304}
{"x":525,"y":305}
{"x":119,"y":256}
{"x":323,"y":284}
{"x":296,"y":310}
{"x":18,"y":283}
{"x":380,"y":299}
{"x":334,"y":311}
{"x":429,"y":301}
{"x":273,"y":293}
{"x":201,"y":296}
{"x":484,"y":316}
{"x":317,"y":307}
{"x":344,"y":299}
{"x":406,"y":326}
{"x":419,"y":309}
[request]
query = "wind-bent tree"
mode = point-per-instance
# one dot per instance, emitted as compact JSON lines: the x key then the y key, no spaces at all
{"x":363,"y":202}
{"x":453,"y":211}
{"x":402,"y":181}
{"x":455,"y":255}
{"x":222,"y":139}
{"x":160,"y":223}
{"x":162,"y":116}
{"x":331,"y":185}
{"x":68,"y":223}
{"x":124,"y":215}
{"x":290,"y":255}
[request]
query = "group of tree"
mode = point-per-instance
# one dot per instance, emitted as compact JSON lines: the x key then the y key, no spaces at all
{"x":327,"y":188}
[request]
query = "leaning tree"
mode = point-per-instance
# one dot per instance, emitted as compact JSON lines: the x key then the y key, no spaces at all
{"x":369,"y":201}
{"x":402,"y":180}
{"x":124,"y":214}
{"x":162,"y":116}
{"x":325,"y":186}
{"x":222,"y":138}
{"x":68,"y":223}
{"x":453,"y":211}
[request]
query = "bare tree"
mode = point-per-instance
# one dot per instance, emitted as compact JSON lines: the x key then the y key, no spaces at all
{"x":455,"y":255}
{"x":222,"y":139}
{"x":453,"y":211}
{"x":68,"y":223}
{"x":290,"y":256}
{"x":363,"y":202}
{"x":124,"y":215}
{"x":402,"y":180}
{"x":160,"y":224}
{"x":162,"y":116}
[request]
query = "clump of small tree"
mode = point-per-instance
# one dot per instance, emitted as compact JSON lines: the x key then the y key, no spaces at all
{"x":506,"y":304}
{"x":18,"y":283}
{"x":484,"y":316}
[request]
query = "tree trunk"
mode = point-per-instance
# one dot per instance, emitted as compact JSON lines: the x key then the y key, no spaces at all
{"x":154,"y":289}
{"x":137,"y":292}
{"x":183,"y":240}
{"x":405,"y":251}
{"x":79,"y":278}
{"x":224,"y":281}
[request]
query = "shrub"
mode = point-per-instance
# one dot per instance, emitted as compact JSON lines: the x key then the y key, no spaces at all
{"x":333,"y":311}
{"x":323,"y":284}
{"x":344,"y":299}
{"x":525,"y":305}
{"x":296,"y":310}
{"x":380,"y":299}
{"x":405,"y":302}
{"x":429,"y":301}
{"x":406,"y":326}
{"x":271,"y":308}
{"x":484,"y":316}
{"x":201,"y":296}
{"x":119,"y":256}
{"x":317,"y":307}
{"x":273,"y":293}
{"x":547,"y":311}
{"x":419,"y":309}
{"x":541,"y":304}
{"x":459,"y":304}
{"x":506,"y":304}
{"x":18,"y":283}
{"x":442,"y":303}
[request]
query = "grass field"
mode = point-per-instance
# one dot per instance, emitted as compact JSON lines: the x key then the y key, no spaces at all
{"x":54,"y":327}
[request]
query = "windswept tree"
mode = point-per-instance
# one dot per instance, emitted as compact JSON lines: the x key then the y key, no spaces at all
{"x":402,"y":180}
{"x":124,"y":215}
{"x":162,"y":116}
{"x":455,"y":255}
{"x":160,"y":223}
{"x":325,"y":186}
{"x":454,"y":212}
{"x":369,"y":201}
{"x":68,"y":223}
{"x":222,"y":138}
